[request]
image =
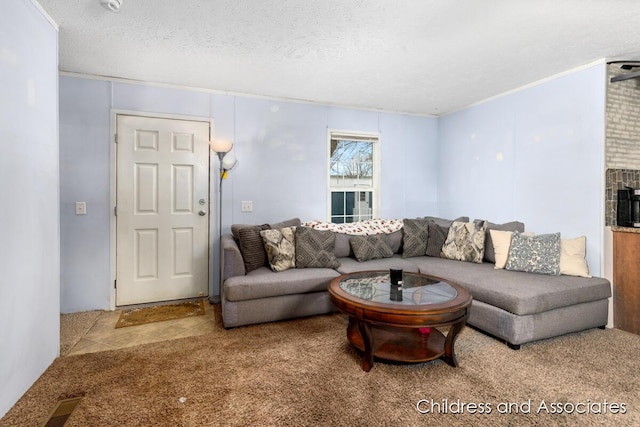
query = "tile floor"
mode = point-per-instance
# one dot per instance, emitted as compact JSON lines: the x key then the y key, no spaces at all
{"x":104,"y":336}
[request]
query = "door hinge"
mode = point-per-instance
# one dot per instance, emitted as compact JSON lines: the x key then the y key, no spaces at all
{"x":116,"y":138}
{"x":115,"y":210}
{"x":115,"y":282}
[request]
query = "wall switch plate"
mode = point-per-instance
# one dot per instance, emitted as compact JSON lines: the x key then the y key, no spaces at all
{"x":81,"y":208}
{"x":247,"y":206}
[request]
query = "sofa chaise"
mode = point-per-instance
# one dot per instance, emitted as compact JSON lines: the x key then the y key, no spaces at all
{"x":517,"y":307}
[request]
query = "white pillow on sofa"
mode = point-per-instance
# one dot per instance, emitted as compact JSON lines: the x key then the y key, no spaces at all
{"x":501,"y":242}
{"x":573,"y":254}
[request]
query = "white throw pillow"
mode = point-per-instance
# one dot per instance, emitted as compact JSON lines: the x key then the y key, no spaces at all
{"x":572,"y":257}
{"x":501,"y":242}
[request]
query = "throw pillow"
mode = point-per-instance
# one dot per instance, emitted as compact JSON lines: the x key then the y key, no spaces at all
{"x":572,"y":257}
{"x":535,"y":254}
{"x":501,"y":242}
{"x":415,"y":233}
{"x":280,"y":247}
{"x":465,"y":242}
{"x":489,"y":253}
{"x":315,"y":248}
{"x":437,"y":237}
{"x":251,"y":247}
{"x":370,"y":247}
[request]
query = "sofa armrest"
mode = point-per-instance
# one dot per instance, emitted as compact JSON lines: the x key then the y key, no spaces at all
{"x":232,"y":261}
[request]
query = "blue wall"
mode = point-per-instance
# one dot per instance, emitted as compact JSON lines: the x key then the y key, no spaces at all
{"x":536,"y":155}
{"x":30,"y":248}
{"x":282,"y":152}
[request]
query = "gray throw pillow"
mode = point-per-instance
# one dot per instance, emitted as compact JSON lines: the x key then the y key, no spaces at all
{"x":415,"y":233}
{"x":370,"y":247}
{"x":535,"y":254}
{"x":251,"y":246}
{"x":465,"y":242}
{"x":437,"y":237}
{"x":489,"y":251}
{"x":315,"y":248}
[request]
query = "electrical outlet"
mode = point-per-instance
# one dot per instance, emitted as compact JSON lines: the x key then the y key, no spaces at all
{"x":81,"y":208}
{"x":247,"y":206}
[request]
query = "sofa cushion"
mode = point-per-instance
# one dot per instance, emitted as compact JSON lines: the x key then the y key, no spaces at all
{"x":264,"y":283}
{"x":514,"y":291}
{"x":446,"y":223}
{"x":572,"y":257}
{"x":293,"y":222}
{"x":251,"y":246}
{"x":489,"y":253}
{"x":280,"y":247}
{"x":414,"y":238}
{"x":350,"y":265}
{"x":465,"y":242}
{"x":370,"y":247}
{"x":437,"y":237}
{"x":315,"y":248}
{"x":535,"y":254}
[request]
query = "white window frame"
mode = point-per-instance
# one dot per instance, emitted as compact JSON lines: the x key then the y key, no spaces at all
{"x":374,"y":137}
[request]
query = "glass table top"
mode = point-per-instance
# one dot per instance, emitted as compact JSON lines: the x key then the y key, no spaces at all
{"x":416,"y":289}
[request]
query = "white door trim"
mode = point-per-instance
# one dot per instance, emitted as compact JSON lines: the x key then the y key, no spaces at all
{"x":213,"y":218}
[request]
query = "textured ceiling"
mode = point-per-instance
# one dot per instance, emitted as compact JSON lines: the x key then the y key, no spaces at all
{"x":414,"y":56}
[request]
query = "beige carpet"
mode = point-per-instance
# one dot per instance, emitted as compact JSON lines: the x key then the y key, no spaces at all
{"x":304,"y":373}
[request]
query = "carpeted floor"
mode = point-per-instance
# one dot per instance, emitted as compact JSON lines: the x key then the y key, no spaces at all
{"x":304,"y":373}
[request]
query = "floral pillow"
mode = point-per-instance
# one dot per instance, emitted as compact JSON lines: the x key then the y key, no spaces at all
{"x":535,"y":254}
{"x":280,"y":247}
{"x":465,"y":241}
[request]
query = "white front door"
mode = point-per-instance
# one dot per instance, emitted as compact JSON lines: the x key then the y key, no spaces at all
{"x":162,"y":202}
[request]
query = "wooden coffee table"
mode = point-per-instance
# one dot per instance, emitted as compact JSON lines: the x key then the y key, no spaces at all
{"x":406,"y":330}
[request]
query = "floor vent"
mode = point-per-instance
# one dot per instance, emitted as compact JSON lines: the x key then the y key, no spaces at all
{"x":62,"y":411}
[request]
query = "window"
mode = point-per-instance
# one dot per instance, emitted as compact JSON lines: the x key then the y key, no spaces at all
{"x":353,"y":176}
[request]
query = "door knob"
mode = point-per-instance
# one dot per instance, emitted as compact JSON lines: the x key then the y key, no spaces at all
{"x":202,"y":213}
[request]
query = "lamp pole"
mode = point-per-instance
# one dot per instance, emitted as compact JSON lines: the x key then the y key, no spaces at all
{"x":221,"y":148}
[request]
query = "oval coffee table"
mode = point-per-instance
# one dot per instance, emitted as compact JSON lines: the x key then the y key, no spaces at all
{"x":382,"y":325}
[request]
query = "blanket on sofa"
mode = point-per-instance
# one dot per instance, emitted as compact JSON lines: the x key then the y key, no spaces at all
{"x":360,"y":228}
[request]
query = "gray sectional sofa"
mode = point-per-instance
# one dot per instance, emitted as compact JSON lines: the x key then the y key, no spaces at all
{"x":514,"y":306}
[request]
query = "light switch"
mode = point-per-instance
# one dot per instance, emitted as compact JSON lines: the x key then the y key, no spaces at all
{"x":247,"y":206}
{"x":81,"y":208}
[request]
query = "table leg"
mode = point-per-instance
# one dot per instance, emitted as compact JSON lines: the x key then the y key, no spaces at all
{"x":449,"y":351}
{"x":367,"y":340}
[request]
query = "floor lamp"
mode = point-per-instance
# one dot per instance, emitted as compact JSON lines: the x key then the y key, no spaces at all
{"x":227,"y":162}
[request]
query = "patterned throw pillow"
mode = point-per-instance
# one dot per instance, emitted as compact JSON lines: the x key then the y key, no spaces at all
{"x":281,"y":247}
{"x":315,"y":248}
{"x":251,"y":246}
{"x":437,"y":237}
{"x":535,"y":254}
{"x":465,"y":242}
{"x":370,"y":247}
{"x":415,"y":233}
